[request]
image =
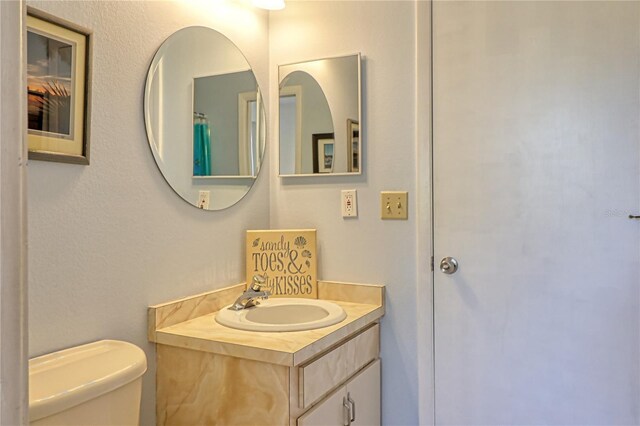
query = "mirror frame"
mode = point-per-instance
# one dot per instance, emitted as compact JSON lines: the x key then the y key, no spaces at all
{"x":361,"y":144}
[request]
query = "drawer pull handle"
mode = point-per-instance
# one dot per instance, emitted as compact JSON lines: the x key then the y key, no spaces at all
{"x":346,"y":412}
{"x":353,"y":407}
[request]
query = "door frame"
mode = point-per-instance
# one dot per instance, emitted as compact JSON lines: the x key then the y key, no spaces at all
{"x":295,"y":92}
{"x":424,"y":206}
{"x":14,"y":400}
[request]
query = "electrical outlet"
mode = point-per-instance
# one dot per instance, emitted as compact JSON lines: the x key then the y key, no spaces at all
{"x":203,"y":199}
{"x":349,"y":203}
{"x":393,"y":205}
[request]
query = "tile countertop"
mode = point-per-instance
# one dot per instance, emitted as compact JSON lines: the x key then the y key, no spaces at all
{"x":198,"y":330}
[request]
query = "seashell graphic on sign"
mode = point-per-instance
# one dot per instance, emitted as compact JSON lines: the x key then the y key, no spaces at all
{"x":300,"y":242}
{"x":286,"y":258}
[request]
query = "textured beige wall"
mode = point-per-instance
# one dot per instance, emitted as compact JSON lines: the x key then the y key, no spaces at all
{"x":365,"y":249}
{"x":109,"y":239}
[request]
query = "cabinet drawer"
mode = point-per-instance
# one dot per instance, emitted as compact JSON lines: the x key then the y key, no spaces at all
{"x":320,"y":376}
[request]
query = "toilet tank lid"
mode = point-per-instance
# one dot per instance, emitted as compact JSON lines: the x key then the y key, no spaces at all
{"x":61,"y":380}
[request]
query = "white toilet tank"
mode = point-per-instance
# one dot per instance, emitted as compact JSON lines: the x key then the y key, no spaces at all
{"x":95,"y":384}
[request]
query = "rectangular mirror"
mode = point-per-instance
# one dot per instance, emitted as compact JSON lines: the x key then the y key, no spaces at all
{"x":320,"y":116}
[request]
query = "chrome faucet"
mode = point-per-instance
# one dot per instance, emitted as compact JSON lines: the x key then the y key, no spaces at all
{"x":251,"y":295}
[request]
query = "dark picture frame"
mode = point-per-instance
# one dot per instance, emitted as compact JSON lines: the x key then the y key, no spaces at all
{"x":58,"y":89}
{"x":353,"y":145}
{"x":323,"y":152}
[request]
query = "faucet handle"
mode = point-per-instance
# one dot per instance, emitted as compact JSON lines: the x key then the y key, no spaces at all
{"x":257,"y":282}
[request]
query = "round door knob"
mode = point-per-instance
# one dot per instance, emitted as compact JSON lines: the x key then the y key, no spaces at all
{"x":448,"y":265}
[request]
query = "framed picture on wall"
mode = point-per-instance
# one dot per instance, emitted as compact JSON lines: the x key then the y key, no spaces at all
{"x":57,"y":90}
{"x":353,"y":145}
{"x":323,"y":144}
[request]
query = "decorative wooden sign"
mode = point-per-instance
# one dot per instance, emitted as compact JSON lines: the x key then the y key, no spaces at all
{"x":287,"y":258}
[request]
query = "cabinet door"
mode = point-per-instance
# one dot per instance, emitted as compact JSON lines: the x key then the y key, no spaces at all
{"x":329,"y":412}
{"x":364,"y":391}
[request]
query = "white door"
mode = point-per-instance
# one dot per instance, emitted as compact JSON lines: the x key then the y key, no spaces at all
{"x":536,"y":170}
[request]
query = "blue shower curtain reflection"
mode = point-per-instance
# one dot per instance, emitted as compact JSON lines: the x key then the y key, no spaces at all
{"x":201,"y":146}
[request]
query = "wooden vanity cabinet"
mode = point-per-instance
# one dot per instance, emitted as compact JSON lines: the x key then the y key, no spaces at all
{"x":201,"y":388}
{"x":208,"y":374}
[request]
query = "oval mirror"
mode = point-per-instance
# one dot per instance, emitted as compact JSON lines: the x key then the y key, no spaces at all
{"x":319,"y":117}
{"x":205,"y":118}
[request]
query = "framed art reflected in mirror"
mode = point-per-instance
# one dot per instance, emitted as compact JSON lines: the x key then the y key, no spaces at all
{"x":323,"y":152}
{"x":353,"y":145}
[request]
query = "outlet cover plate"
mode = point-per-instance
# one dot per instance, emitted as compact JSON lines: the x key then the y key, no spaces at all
{"x":349,"y":203}
{"x":203,"y":199}
{"x":394,"y":205}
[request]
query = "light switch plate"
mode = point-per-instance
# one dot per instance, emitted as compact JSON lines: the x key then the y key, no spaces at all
{"x":393,"y":205}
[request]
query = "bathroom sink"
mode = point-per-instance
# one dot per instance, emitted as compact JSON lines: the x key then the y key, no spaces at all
{"x":283,"y":314}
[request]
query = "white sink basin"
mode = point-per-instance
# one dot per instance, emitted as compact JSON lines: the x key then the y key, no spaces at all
{"x":283,"y":314}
